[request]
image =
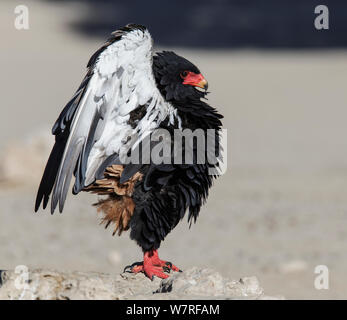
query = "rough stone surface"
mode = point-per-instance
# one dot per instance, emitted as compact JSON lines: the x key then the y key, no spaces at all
{"x":192,"y":284}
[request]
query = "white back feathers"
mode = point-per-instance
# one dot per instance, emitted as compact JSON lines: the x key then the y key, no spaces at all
{"x":120,"y":79}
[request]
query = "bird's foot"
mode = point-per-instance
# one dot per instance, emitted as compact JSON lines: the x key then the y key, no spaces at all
{"x":168,"y":266}
{"x":148,"y":269}
{"x":152,"y":266}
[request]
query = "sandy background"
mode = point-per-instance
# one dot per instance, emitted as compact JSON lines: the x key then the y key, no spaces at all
{"x":281,"y":208}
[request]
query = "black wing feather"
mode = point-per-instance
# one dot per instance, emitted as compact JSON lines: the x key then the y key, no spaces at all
{"x":61,"y":130}
{"x":50,"y":172}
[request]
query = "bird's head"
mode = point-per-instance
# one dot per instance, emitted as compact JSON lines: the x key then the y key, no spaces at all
{"x":178,"y":79}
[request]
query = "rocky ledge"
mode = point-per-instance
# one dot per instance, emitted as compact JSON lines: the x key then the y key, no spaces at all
{"x":194,"y":283}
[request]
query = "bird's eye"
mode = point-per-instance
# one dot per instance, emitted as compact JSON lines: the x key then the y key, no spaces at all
{"x":184,"y":74}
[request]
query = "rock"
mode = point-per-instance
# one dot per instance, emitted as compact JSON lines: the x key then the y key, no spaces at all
{"x":194,"y":283}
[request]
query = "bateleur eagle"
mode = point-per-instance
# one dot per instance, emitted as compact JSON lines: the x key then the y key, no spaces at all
{"x":129,"y":93}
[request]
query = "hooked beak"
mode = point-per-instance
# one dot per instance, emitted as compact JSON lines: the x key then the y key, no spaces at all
{"x":203,"y":84}
{"x":196,"y":80}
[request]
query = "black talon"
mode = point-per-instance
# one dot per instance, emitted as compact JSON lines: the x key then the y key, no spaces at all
{"x":169,"y":264}
{"x":125,"y":269}
{"x":132,"y":266}
{"x":166,"y":269}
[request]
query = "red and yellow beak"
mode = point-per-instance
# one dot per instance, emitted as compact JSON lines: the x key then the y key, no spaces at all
{"x":196,"y":80}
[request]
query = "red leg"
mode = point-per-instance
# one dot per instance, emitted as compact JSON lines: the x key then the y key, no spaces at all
{"x":152,"y":266}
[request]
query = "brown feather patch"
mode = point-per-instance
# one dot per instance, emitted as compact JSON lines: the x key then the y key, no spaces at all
{"x":117,"y":210}
{"x":110,"y":184}
{"x":119,"y":206}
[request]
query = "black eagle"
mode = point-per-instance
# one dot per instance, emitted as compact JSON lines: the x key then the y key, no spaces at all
{"x":127,"y":94}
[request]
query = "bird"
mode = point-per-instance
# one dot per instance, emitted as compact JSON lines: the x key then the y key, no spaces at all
{"x":128,"y":93}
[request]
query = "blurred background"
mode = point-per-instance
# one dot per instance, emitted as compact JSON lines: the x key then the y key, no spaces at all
{"x":281,"y":208}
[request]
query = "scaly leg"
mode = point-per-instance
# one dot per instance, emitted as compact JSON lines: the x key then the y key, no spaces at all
{"x":152,"y":266}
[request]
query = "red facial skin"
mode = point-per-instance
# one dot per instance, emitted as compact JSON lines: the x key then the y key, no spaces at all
{"x":193,"y":79}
